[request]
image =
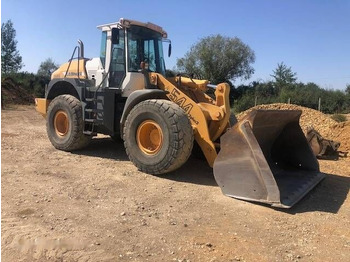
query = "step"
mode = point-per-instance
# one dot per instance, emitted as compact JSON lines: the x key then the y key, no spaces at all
{"x":91,"y":120}
{"x":93,"y":110}
{"x":89,"y":133}
{"x":92,"y":99}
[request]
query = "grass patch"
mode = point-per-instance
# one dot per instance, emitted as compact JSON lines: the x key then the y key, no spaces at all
{"x":339,"y":118}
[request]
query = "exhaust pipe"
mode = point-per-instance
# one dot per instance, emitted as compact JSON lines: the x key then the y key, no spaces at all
{"x":81,"y":48}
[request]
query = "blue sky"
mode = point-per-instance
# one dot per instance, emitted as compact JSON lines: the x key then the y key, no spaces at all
{"x":312,"y":37}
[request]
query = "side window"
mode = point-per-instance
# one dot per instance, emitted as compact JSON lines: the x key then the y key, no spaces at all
{"x":103,"y":49}
{"x":134,"y":54}
{"x":150,"y":55}
{"x":117,"y":70}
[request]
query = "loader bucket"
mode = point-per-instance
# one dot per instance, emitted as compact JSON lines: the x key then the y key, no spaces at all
{"x":266,"y":158}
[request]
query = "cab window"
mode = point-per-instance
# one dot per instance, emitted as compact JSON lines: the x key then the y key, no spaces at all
{"x":144,"y":45}
{"x":103,"y":49}
{"x":117,"y":70}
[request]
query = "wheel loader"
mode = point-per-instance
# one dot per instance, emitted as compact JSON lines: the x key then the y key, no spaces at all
{"x":124,"y":93}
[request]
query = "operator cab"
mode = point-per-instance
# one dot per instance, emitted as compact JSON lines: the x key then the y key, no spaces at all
{"x":124,"y":46}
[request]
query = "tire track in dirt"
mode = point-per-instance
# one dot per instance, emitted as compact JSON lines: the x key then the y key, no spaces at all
{"x":20,"y":240}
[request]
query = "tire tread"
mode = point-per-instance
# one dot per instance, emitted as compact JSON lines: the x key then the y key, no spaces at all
{"x":78,"y":140}
{"x":181,"y":131}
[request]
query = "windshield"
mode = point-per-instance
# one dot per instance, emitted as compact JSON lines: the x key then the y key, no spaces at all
{"x":145,"y":45}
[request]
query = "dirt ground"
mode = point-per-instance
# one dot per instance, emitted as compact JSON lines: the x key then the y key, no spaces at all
{"x":94,"y":205}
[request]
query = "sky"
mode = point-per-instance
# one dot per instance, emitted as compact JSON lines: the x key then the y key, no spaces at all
{"x":312,"y":37}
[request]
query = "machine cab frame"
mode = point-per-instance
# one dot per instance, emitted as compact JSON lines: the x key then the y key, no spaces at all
{"x":124,"y":45}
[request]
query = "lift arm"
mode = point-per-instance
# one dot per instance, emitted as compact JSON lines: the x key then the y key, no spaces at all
{"x":209,"y":118}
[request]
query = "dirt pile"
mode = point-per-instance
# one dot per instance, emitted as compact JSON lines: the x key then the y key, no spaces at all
{"x":342,"y":134}
{"x":12,"y":93}
{"x":326,"y":126}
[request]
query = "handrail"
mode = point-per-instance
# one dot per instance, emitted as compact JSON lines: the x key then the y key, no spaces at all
{"x":80,"y":55}
{"x":71,"y":59}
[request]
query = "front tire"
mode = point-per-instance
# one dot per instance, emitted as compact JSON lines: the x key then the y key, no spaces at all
{"x":65,"y":124}
{"x":158,"y":136}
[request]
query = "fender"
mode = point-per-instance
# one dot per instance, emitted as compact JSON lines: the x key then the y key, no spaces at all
{"x":137,"y":97}
{"x":73,"y":86}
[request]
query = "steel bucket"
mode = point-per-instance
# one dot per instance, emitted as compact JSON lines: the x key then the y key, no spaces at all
{"x":266,"y":158}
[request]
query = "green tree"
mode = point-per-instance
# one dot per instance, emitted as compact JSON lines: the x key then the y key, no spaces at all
{"x":170,"y":73}
{"x":46,"y":68}
{"x":284,"y":76}
{"x":11,"y":61}
{"x":347,"y":89}
{"x":218,"y":59}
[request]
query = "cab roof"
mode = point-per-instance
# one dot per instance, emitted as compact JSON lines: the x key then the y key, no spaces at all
{"x":126,"y":23}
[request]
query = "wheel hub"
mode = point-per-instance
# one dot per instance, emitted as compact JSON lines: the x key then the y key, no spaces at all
{"x":61,"y":123}
{"x":149,"y":137}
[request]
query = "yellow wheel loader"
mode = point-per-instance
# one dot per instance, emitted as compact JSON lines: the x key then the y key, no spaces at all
{"x":124,"y":92}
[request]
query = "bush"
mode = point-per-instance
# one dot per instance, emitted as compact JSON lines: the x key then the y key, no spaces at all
{"x":245,"y":102}
{"x":32,"y":83}
{"x":339,"y":117}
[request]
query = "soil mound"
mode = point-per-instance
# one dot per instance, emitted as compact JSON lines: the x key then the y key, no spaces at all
{"x":342,"y":134}
{"x":12,"y":93}
{"x":326,"y":126}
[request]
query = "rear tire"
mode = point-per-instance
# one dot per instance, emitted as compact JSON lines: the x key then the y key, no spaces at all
{"x":65,"y":124}
{"x":158,"y":136}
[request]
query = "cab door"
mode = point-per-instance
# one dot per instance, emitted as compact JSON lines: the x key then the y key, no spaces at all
{"x":117,"y":66}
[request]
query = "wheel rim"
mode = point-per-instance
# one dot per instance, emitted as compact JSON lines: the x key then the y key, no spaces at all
{"x":149,"y":137}
{"x":61,"y":123}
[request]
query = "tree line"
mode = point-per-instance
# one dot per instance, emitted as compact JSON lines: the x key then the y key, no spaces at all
{"x":216,"y":58}
{"x":224,"y":59}
{"x":284,"y":88}
{"x":11,"y":64}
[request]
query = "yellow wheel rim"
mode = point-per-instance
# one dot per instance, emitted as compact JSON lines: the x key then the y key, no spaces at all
{"x":149,"y":137}
{"x":61,"y":123}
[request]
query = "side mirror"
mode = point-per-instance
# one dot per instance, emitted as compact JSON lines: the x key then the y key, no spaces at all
{"x":169,"y":50}
{"x":115,"y":36}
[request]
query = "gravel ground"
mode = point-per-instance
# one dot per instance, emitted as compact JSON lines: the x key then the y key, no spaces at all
{"x":94,"y":205}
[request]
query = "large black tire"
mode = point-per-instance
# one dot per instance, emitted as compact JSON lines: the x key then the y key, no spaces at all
{"x":172,"y":128}
{"x":65,"y":124}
